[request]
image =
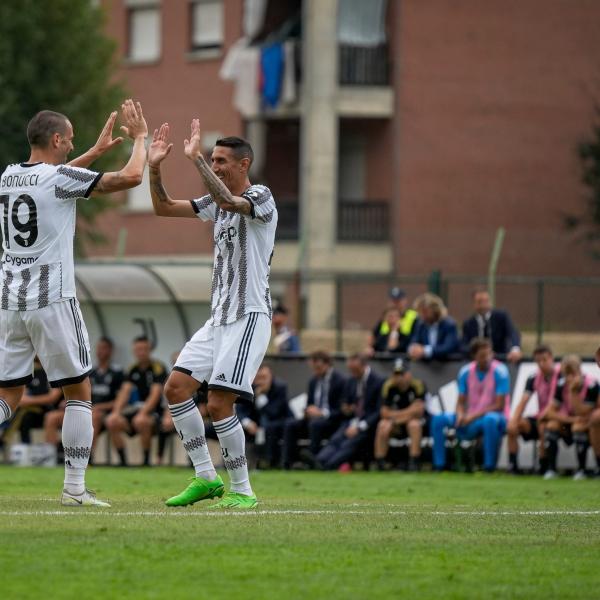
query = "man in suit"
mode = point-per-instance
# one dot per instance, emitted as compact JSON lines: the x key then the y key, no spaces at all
{"x":270,"y":411}
{"x":323,"y":413}
{"x":435,"y":335}
{"x":360,"y":408}
{"x":493,"y":324}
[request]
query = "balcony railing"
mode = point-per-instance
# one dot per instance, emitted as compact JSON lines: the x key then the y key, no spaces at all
{"x":357,"y":221}
{"x":361,"y":65}
{"x":288,"y":223}
{"x":363,"y":221}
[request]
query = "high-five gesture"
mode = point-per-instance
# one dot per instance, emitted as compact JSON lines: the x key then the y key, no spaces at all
{"x":193,"y":147}
{"x":160,"y":146}
{"x":135,"y":124}
{"x":103,"y":144}
{"x":105,"y":140}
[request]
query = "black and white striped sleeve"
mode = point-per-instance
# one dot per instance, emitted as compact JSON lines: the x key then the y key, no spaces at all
{"x":74,"y":182}
{"x":262,"y":201}
{"x":205,"y":208}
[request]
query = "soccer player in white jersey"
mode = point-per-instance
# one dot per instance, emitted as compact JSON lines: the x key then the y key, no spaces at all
{"x":39,"y":313}
{"x":229,"y":348}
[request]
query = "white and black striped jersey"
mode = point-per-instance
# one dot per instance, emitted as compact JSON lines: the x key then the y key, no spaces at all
{"x":243,"y":251}
{"x":38,"y":224}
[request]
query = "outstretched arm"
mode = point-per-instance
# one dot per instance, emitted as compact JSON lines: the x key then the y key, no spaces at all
{"x":103,"y":144}
{"x":216,"y":188}
{"x":163,"y":204}
{"x":131,"y":174}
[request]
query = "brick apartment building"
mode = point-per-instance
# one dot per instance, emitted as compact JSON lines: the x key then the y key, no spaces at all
{"x":414,"y":131}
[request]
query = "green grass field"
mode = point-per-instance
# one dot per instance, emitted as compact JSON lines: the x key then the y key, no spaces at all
{"x":315,"y":535}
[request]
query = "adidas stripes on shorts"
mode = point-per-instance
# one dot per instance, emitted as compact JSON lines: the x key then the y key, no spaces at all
{"x":227,"y":356}
{"x":56,"y":333}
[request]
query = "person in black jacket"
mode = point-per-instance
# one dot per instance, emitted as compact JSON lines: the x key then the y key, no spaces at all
{"x":323,"y":413}
{"x":493,"y":324}
{"x":270,"y":411}
{"x":360,"y":408}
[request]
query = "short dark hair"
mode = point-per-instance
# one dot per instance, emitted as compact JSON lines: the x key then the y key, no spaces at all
{"x":43,"y":126}
{"x":321,"y":355}
{"x":266,"y":365}
{"x":480,"y":289}
{"x":477,"y":344}
{"x":542,"y":349}
{"x":105,"y":339}
{"x":141,"y":338}
{"x":359,"y":356}
{"x":241,"y":148}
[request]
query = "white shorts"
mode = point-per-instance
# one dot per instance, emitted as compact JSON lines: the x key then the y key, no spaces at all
{"x":228,"y":356}
{"x":56,"y":333}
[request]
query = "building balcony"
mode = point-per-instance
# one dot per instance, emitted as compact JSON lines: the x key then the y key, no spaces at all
{"x":357,"y":221}
{"x":363,"y":221}
{"x":363,"y":66}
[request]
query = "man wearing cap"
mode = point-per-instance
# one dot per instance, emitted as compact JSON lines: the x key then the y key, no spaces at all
{"x":392,"y":333}
{"x":402,"y":414}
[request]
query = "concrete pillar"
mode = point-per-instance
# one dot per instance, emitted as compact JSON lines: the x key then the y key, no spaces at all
{"x":319,"y":154}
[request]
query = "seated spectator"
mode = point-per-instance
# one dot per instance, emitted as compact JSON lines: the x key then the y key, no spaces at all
{"x":483,"y":387}
{"x":595,"y":425}
{"x":543,"y":384}
{"x":37,"y":400}
{"x":106,"y":380}
{"x":392,"y":333}
{"x":569,"y":413}
{"x":270,"y":411}
{"x":360,"y":407}
{"x":493,"y":324}
{"x":285,"y":339}
{"x":435,"y":335}
{"x":137,"y":408}
{"x":402,"y":413}
{"x":322,"y":415}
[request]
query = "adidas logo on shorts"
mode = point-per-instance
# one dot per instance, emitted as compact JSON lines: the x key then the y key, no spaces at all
{"x":221,"y":377}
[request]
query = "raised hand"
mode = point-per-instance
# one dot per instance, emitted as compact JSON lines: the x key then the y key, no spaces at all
{"x":135,"y":124}
{"x":160,"y":146}
{"x":193,"y":147}
{"x":105,"y":140}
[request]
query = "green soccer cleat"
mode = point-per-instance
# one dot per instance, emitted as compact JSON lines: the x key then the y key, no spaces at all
{"x":235,"y":501}
{"x":199,"y":489}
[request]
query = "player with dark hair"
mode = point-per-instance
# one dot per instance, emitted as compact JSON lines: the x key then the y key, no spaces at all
{"x":543,"y":384}
{"x":569,"y":413}
{"x":229,"y":349}
{"x":39,"y":313}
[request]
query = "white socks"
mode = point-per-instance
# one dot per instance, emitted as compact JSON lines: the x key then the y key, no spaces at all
{"x":233,"y":445}
{"x":77,"y":434}
{"x":5,"y":412}
{"x":190,"y":427}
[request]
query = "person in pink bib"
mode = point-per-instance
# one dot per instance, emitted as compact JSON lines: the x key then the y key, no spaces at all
{"x":483,"y":387}
{"x":543,"y":384}
{"x":595,"y":425}
{"x":569,"y":414}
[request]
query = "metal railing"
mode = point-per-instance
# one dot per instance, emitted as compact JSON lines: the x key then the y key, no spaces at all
{"x":363,"y":221}
{"x":288,"y":224}
{"x":361,"y":65}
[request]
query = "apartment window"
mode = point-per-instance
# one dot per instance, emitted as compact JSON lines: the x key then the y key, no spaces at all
{"x":144,"y":31}
{"x":138,"y":198}
{"x":207,"y":24}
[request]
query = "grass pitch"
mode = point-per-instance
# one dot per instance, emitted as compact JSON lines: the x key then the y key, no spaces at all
{"x":315,"y":535}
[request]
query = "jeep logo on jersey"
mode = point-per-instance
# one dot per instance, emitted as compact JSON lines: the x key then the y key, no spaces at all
{"x":227,"y":234}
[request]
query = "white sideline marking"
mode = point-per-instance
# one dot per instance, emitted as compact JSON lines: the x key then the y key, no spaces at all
{"x":191,"y":513}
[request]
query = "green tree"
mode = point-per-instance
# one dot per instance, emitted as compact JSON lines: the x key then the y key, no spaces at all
{"x":589,"y":222}
{"x":55,"y":55}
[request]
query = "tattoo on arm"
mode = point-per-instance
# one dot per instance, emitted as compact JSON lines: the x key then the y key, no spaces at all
{"x":157,"y":189}
{"x":218,"y":190}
